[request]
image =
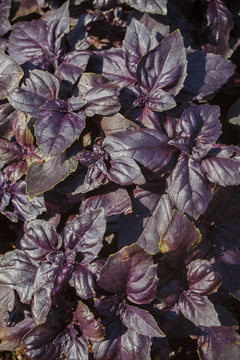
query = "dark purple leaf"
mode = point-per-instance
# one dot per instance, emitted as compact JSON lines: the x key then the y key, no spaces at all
{"x":220,"y":23}
{"x":40,"y":87}
{"x":198,"y":309}
{"x":39,"y":343}
{"x":151,"y":6}
{"x":113,"y":67}
{"x":5,"y":25}
{"x":201,"y":277}
{"x":43,"y":177}
{"x":75,"y":347}
{"x":132,"y":270}
{"x":168,"y":295}
{"x":21,"y":131}
{"x":57,"y":26}
{"x":5,"y":195}
{"x":9,"y":151}
{"x":28,"y":42}
{"x":10,"y":75}
{"x":149,"y":119}
{"x":189,"y":189}
{"x":198,"y":128}
{"x":219,"y":343}
{"x":137,"y":43}
{"x":164,"y":67}
{"x":85,"y":234}
{"x":40,"y":239}
{"x":73,"y":65}
{"x":42,"y":290}
{"x":11,"y":336}
{"x":7,"y":114}
{"x":206,"y":73}
{"x":139,"y":320}
{"x":102,"y":4}
{"x":130,"y":345}
{"x":125,"y":171}
{"x":160,"y":100}
{"x":223,"y":166}
{"x":56,"y":128}
{"x":146,"y":146}
{"x":115,"y":202}
{"x":17,"y":273}
{"x":180,"y":235}
{"x":91,"y":328}
{"x":227,"y":263}
{"x":27,"y":209}
{"x":154,"y":219}
{"x":83,"y":281}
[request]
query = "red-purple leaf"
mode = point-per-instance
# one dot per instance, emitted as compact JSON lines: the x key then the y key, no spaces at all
{"x":83,"y":281}
{"x":40,"y":239}
{"x":165,"y":66}
{"x":198,"y":309}
{"x":125,"y":171}
{"x":9,"y":151}
{"x":40,"y":87}
{"x":10,"y":75}
{"x":11,"y":336}
{"x":139,"y":320}
{"x":132,"y":270}
{"x":85,"y":234}
{"x":220,"y":23}
{"x":189,"y":189}
{"x":21,"y":131}
{"x":73,"y":65}
{"x":180,"y":235}
{"x":201,"y":277}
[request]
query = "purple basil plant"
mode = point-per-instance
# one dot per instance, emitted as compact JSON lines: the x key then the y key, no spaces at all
{"x":120,"y":170}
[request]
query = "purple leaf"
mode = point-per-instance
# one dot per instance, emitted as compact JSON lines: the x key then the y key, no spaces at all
{"x":42,"y":289}
{"x":5,"y":25}
{"x":83,"y":281}
{"x":223,"y":166}
{"x":201,"y":277}
{"x":57,"y":26}
{"x":125,"y":171}
{"x":151,"y":6}
{"x":160,"y":100}
{"x":198,"y":128}
{"x":17,"y":273}
{"x":219,"y":18}
{"x":130,"y":345}
{"x":155,"y":220}
{"x":73,"y":65}
{"x":7,"y":114}
{"x":115,"y":202}
{"x":27,"y":209}
{"x":42,"y":177}
{"x":5,"y":195}
{"x":206,"y":73}
{"x":195,"y":307}
{"x":137,"y":43}
{"x":139,"y":320}
{"x":164,"y":67}
{"x":40,"y":87}
{"x":91,"y":328}
{"x":40,"y":239}
{"x":132,"y":270}
{"x":219,"y":343}
{"x":113,"y":67}
{"x":39,"y":343}
{"x":180,"y":235}
{"x":10,"y":75}
{"x":189,"y":189}
{"x":85,"y":234}
{"x":56,"y":128}
{"x":227,"y":263}
{"x":28,"y":43}
{"x":9,"y":151}
{"x":74,"y":347}
{"x":11,"y":336}
{"x":146,"y":146}
{"x":21,"y":131}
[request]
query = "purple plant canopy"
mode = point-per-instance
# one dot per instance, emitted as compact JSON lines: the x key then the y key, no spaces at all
{"x":119,"y":179}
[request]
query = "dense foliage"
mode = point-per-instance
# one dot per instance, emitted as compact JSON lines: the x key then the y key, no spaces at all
{"x":120,"y":170}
